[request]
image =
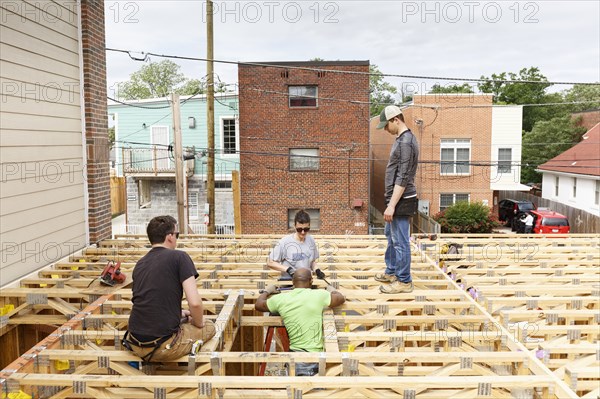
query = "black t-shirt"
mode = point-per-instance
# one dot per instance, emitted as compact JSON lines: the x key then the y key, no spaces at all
{"x":157,"y":292}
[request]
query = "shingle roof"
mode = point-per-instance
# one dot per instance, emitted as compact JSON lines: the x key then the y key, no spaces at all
{"x":583,"y":158}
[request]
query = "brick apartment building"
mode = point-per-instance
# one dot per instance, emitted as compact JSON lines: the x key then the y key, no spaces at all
{"x":469,"y":150}
{"x":304,"y":140}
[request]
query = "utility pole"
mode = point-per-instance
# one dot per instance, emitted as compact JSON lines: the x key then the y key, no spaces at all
{"x":178,"y":154}
{"x":210,"y":119}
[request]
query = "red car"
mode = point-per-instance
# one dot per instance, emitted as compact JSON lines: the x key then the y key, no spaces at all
{"x":549,"y":222}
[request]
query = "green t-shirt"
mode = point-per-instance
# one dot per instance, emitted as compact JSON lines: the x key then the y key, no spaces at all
{"x":302,"y":312}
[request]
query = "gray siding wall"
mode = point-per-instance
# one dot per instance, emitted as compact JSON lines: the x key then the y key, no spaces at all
{"x":42,"y":162}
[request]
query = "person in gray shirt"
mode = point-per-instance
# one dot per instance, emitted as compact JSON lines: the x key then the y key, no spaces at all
{"x":399,"y":187}
{"x":295,"y":251}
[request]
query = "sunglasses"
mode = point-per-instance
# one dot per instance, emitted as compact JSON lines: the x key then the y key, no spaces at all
{"x":302,"y":229}
{"x":176,"y":233}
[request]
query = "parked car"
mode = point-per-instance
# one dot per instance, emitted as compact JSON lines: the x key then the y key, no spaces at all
{"x":508,"y":209}
{"x":549,"y":222}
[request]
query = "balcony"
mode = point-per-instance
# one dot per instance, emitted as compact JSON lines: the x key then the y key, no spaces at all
{"x":154,"y":162}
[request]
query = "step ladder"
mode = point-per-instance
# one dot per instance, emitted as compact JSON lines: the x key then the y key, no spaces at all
{"x":272,"y":331}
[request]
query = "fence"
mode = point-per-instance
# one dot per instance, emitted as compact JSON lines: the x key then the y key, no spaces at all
{"x":118,"y":195}
{"x":421,"y":223}
{"x":197,"y":228}
{"x":579,"y":220}
{"x":425,"y":224}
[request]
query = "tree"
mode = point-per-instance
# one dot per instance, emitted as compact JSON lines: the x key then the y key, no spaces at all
{"x":588,"y":95}
{"x":191,"y":87}
{"x":111,"y":137}
{"x":544,"y":142}
{"x":159,"y":79}
{"x":522,"y":93}
{"x":451,"y":88}
{"x":465,"y":217}
{"x":381,"y":92}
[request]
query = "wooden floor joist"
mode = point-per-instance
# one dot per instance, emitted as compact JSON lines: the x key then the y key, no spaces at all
{"x":509,"y":316}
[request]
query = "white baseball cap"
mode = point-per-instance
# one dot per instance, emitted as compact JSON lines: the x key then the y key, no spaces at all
{"x":388,"y":113}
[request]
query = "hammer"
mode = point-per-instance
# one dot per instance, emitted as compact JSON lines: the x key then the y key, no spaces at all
{"x":321,"y":276}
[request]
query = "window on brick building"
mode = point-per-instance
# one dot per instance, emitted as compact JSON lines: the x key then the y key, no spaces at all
{"x":303,"y":159}
{"x":315,"y":218}
{"x":504,"y":160}
{"x":447,"y":200}
{"x":302,"y":96}
{"x":229,"y":136}
{"x":455,"y":156}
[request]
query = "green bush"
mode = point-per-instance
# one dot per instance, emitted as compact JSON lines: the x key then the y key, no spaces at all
{"x":464,"y":217}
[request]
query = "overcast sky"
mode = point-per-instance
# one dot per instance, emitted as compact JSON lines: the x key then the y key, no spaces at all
{"x":433,"y":38}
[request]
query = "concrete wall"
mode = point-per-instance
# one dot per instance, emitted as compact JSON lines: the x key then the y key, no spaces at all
{"x":164,"y":202}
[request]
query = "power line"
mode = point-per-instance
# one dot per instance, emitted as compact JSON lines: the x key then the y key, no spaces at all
{"x":481,"y":163}
{"x":358,"y":144}
{"x":135,"y":105}
{"x":424,"y":77}
{"x":429,"y":106}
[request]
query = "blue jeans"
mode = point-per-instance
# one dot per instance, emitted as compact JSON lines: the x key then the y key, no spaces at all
{"x":397,"y":254}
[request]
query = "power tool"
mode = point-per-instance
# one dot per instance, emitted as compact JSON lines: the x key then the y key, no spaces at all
{"x":111,"y":274}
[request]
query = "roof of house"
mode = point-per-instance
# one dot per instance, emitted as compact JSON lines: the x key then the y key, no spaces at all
{"x":582,"y":159}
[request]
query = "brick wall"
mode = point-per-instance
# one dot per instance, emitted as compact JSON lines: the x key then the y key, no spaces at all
{"x":588,"y":119}
{"x":96,"y":119}
{"x":455,"y":117}
{"x":338,"y":127}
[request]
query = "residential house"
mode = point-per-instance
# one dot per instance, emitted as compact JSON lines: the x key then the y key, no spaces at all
{"x":304,"y":139}
{"x":573,"y":177}
{"x":470,"y":150}
{"x":54,"y":171}
{"x":144,"y":155}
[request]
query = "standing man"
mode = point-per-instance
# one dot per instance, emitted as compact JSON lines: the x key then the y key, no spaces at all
{"x":159,"y":330}
{"x":527,"y":220}
{"x":400,"y":190}
{"x":302,"y":312}
{"x":295,"y":251}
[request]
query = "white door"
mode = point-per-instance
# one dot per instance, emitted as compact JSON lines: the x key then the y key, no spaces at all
{"x":160,"y":139}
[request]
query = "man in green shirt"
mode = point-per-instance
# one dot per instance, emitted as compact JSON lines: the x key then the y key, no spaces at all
{"x":302,"y":312}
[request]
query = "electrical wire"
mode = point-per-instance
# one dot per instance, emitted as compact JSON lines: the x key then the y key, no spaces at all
{"x":135,"y":105}
{"x":314,"y":69}
{"x":482,"y":163}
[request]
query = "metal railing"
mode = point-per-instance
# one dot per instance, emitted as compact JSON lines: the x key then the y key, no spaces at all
{"x":155,"y":160}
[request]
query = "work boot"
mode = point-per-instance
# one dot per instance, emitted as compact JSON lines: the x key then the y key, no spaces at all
{"x":385,"y":278}
{"x":397,"y":287}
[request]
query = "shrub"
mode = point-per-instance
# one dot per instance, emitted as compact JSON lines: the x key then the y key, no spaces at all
{"x":464,"y":217}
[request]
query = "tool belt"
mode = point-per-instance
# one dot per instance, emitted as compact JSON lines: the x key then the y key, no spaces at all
{"x":129,"y":339}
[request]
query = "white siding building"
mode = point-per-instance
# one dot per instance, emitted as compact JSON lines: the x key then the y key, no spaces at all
{"x":573,"y":177}
{"x":505,"y":155}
